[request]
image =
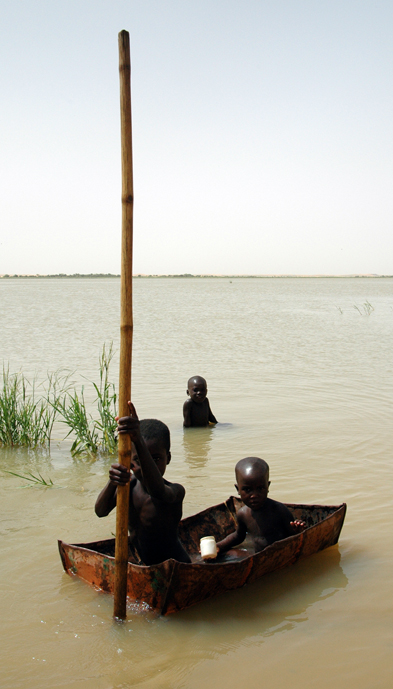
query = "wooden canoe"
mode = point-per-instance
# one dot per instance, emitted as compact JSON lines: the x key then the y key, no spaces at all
{"x":172,"y":586}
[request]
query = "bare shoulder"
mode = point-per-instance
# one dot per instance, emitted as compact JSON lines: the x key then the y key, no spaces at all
{"x":279,"y":508}
{"x":243,"y":514}
{"x":188,"y":404}
{"x":178,"y":491}
{"x":208,"y":405}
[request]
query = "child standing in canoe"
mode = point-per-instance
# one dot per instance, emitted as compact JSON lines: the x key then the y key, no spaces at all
{"x":264,"y":519}
{"x":155,"y":506}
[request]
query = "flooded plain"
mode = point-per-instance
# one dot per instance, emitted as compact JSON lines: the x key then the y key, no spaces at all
{"x":299,"y":372}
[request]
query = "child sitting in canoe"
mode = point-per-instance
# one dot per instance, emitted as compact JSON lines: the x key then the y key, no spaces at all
{"x":264,"y":519}
{"x":155,"y":506}
{"x":196,"y":409}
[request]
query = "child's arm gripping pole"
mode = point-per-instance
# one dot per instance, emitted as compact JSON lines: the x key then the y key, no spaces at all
{"x":126,"y":323}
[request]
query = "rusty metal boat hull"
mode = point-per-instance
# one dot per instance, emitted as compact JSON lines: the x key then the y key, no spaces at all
{"x":172,"y":586}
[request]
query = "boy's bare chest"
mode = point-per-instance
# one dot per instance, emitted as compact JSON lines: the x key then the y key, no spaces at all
{"x":200,"y":413}
{"x":149,"y":513}
{"x":265,"y":528}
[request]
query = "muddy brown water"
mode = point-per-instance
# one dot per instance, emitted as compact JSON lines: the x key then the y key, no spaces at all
{"x":297,"y":375}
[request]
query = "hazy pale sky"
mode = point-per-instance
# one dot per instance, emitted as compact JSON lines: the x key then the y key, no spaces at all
{"x":262,"y":131}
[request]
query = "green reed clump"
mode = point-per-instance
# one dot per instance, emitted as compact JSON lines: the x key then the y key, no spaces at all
{"x":92,"y":435}
{"x":73,"y":410}
{"x":27,"y":418}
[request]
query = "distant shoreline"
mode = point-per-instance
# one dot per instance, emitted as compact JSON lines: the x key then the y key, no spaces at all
{"x":183,"y":275}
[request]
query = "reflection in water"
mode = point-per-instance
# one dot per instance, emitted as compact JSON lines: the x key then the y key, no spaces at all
{"x":277,"y":603}
{"x":277,"y":600}
{"x":197,"y":445}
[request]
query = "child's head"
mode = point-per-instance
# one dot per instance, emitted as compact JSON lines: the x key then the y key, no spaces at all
{"x":158,"y":441}
{"x":197,"y":389}
{"x":252,"y":481}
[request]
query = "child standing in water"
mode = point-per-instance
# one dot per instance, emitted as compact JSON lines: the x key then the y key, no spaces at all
{"x":264,"y":519}
{"x":155,"y":507}
{"x":196,"y":410}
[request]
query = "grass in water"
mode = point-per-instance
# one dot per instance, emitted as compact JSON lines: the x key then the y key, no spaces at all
{"x":26,"y":418}
{"x":73,"y":410}
{"x":37,"y":480}
{"x":367,"y":308}
{"x":92,"y":435}
{"x":106,"y":399}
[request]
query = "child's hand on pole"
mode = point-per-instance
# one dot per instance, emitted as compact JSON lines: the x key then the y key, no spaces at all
{"x":119,"y":475}
{"x":129,"y":424}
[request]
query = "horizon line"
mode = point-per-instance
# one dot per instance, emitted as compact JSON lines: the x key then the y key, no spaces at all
{"x":196,"y":275}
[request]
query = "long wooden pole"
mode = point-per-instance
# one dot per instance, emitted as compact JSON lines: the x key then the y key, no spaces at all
{"x":126,"y":322}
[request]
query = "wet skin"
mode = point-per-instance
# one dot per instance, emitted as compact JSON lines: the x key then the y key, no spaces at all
{"x":155,"y":506}
{"x":264,"y":519}
{"x":196,"y":410}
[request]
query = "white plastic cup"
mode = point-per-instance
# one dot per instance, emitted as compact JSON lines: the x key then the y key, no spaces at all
{"x":208,"y":547}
